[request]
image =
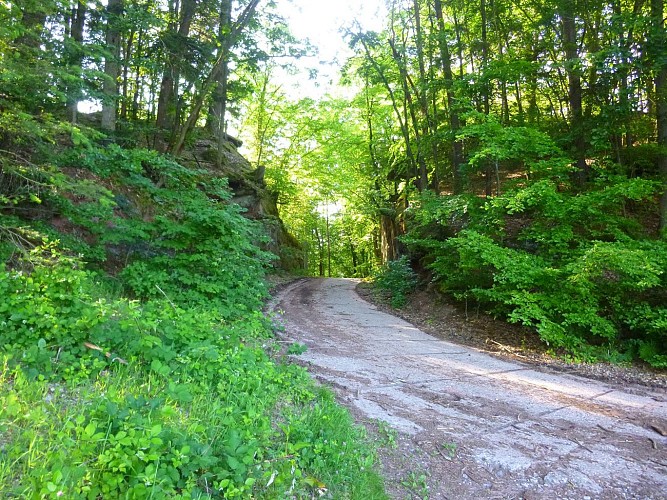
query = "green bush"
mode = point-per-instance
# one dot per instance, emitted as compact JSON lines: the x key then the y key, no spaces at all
{"x":575,"y":266}
{"x":396,"y":280}
{"x":200,"y":250}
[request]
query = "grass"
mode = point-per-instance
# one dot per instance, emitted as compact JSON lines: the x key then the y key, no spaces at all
{"x":199,"y":410}
{"x":119,"y":436}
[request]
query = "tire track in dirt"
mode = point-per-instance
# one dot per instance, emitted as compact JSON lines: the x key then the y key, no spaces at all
{"x":477,"y":426}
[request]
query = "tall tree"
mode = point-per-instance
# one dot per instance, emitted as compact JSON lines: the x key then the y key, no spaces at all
{"x":417,"y":164}
{"x":423,"y":99}
{"x":175,"y":41}
{"x":74,"y":59}
{"x":573,"y":68}
{"x":112,"y":65}
{"x":452,"y":105}
{"x":211,"y":80}
{"x":659,"y":46}
{"x":219,"y":106}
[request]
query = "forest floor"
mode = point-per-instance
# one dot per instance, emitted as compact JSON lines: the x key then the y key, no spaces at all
{"x":455,"y":421}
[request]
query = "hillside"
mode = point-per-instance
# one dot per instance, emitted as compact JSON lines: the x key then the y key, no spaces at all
{"x":135,"y":358}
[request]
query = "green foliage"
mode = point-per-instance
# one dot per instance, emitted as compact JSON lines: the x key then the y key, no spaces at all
{"x":190,"y":244}
{"x":525,"y":147}
{"x":297,"y":348}
{"x":566,"y":246}
{"x":150,"y":382}
{"x":320,"y":435}
{"x":576,"y":267}
{"x":316,"y":165}
{"x":199,"y":250}
{"x":138,"y":435}
{"x":387,"y":434}
{"x":417,"y":485}
{"x":111,"y":397}
{"x":396,"y":280}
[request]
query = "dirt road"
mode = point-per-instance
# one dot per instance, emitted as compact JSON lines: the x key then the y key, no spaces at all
{"x":469,"y":425}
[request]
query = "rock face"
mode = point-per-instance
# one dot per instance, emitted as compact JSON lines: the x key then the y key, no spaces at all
{"x":250,"y":192}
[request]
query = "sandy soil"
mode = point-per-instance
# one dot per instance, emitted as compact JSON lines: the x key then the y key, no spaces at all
{"x":459,"y":423}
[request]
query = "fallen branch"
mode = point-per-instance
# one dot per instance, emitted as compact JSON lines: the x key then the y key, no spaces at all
{"x":166,"y":297}
{"x":107,"y":354}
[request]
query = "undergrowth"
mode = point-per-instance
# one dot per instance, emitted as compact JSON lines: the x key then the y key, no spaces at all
{"x":396,"y":280}
{"x":578,"y":267}
{"x":135,"y":361}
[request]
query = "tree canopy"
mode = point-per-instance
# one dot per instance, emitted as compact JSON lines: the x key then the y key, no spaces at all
{"x":535,"y":129}
{"x":504,"y":148}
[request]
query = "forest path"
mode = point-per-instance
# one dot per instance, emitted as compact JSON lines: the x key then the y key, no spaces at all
{"x":475,"y":426}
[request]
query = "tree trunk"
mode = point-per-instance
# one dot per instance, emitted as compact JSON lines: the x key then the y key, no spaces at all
{"x":394,"y":103}
{"x":533,"y":110}
{"x":486,"y":86}
{"x":112,"y":65}
{"x":263,"y":119}
{"x":486,"y":91}
{"x":353,"y":253}
{"x":320,"y":252}
{"x":138,"y":81}
{"x":168,"y":97}
{"x":328,"y":242}
{"x":125,"y":78}
{"x":659,"y":47}
{"x":592,"y":46}
{"x":459,"y":43}
{"x":519,"y":104}
{"x":75,"y":58}
{"x":219,"y":107}
{"x":454,"y":121}
{"x":416,"y":164}
{"x":573,"y":69}
{"x":423,"y":99}
{"x":388,"y":235}
{"x":371,"y":136}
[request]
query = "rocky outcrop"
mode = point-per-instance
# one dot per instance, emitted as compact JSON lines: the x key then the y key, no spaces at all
{"x":250,"y":192}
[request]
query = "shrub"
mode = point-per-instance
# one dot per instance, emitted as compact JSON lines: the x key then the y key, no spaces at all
{"x":397,"y":280}
{"x":575,"y":267}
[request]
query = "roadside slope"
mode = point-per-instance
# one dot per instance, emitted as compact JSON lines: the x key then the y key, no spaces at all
{"x":477,"y":426}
